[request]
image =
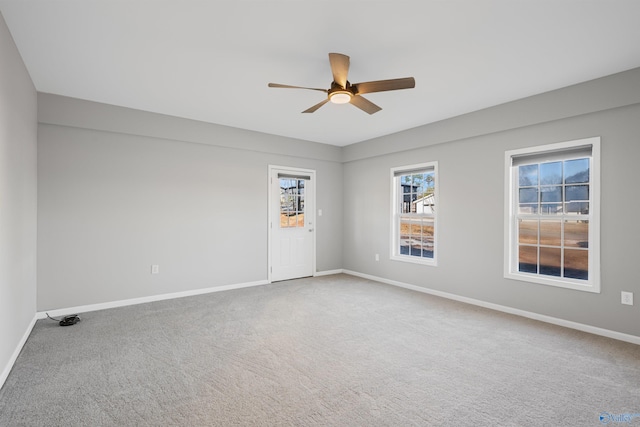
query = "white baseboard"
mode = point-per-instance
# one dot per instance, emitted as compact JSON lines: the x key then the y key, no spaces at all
{"x":328,"y":272}
{"x":142,"y":300}
{"x":528,"y":314}
{"x":16,"y":352}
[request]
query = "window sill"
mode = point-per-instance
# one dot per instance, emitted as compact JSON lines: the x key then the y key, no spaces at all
{"x":414,"y":260}
{"x":588,"y":286}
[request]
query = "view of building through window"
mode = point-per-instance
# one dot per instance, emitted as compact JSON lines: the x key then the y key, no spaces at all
{"x":291,"y":202}
{"x":416,"y":219}
{"x":553,"y":218}
{"x":414,"y":213}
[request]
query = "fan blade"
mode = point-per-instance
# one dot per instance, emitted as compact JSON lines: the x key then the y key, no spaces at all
{"x":383,"y":85}
{"x":315,"y":107}
{"x":339,"y":68}
{"x":296,"y":87}
{"x":364,"y":104}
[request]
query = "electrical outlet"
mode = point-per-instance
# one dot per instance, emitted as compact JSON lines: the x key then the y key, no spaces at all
{"x":155,"y":269}
{"x":626,"y":298}
{"x":377,"y":257}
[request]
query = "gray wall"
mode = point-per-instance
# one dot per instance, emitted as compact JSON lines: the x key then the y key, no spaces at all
{"x":470,"y":151}
{"x":18,"y":135}
{"x":121,"y":189}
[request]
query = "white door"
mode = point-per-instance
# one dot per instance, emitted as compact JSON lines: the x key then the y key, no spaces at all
{"x":291,"y":223}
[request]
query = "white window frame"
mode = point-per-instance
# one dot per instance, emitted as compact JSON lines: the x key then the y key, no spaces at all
{"x":511,"y":200}
{"x":396,"y":211}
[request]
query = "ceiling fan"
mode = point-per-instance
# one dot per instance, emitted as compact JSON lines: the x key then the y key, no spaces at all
{"x":342,"y":91}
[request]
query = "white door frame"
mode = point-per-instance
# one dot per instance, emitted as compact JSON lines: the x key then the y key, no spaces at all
{"x":310,"y":213}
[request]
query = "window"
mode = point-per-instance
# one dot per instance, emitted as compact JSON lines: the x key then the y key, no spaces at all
{"x":414,"y":201}
{"x":552,"y":214}
{"x":291,"y":201}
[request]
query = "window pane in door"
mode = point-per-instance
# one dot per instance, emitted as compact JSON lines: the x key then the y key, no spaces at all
{"x":291,"y":202}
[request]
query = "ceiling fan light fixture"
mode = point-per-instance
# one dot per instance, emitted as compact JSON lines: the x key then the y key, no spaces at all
{"x":340,"y":97}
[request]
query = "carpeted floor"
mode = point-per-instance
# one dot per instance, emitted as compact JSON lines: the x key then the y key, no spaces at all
{"x":330,"y":351}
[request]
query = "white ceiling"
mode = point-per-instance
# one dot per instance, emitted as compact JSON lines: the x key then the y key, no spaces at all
{"x":211,"y":60}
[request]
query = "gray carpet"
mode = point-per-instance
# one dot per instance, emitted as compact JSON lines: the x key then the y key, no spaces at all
{"x":330,"y":351}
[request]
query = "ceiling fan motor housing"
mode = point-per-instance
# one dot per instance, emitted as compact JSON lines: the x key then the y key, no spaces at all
{"x":339,"y":95}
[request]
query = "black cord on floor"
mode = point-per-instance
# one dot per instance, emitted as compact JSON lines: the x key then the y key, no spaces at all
{"x":57,"y":320}
{"x":66,"y":320}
